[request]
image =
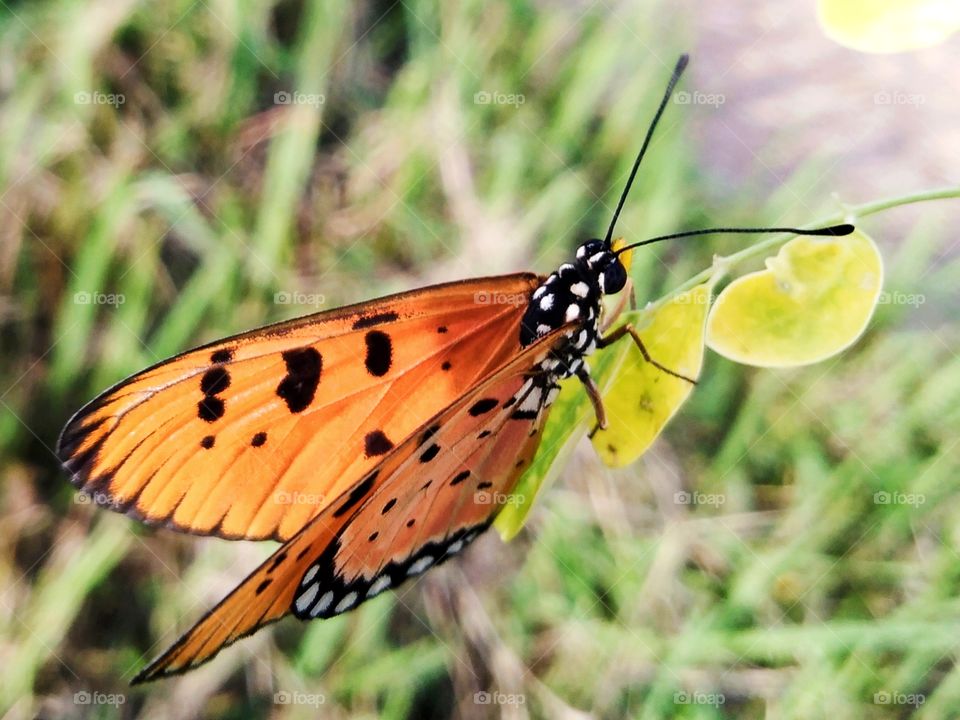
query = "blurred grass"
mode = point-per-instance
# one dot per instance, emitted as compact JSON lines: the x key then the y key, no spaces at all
{"x":200,"y":198}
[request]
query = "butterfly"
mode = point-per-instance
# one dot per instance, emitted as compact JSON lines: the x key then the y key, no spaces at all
{"x":368,"y":440}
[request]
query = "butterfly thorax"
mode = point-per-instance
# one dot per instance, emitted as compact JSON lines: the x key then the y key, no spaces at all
{"x":573,"y":294}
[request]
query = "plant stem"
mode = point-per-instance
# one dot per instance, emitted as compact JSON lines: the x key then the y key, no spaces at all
{"x":722,"y":265}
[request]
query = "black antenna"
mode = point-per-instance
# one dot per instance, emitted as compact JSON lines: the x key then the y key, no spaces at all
{"x":674,"y":78}
{"x":833,"y":231}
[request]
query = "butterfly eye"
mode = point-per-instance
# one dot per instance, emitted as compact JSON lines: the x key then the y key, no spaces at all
{"x":614,"y":277}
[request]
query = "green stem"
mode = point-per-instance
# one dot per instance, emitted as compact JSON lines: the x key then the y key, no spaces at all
{"x":722,"y":265}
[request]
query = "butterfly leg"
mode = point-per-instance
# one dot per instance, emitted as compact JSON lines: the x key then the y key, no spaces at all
{"x":593,"y":392}
{"x":632,"y":332}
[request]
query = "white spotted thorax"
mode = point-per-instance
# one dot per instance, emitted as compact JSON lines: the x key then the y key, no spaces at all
{"x":573,"y":294}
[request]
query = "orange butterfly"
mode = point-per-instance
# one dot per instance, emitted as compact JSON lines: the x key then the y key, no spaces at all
{"x":398,"y":418}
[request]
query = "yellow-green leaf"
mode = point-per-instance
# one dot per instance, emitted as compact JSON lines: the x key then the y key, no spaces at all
{"x":814,"y":299}
{"x":641,"y":399}
{"x":888,"y":26}
{"x":569,"y":418}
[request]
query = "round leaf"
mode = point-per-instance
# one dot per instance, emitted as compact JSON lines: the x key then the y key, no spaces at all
{"x":888,"y":26}
{"x":814,"y":299}
{"x":641,"y":398}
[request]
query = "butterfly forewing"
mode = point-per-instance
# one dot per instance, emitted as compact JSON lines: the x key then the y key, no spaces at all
{"x":314,"y":573}
{"x":254,"y":435}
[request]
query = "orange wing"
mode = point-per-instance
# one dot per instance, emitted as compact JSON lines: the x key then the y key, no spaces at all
{"x":422,"y":504}
{"x":253,"y":436}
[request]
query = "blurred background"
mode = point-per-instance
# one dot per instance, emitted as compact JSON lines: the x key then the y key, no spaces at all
{"x":178,"y":170}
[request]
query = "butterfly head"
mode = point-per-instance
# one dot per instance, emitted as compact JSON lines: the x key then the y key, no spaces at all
{"x":598,"y":261}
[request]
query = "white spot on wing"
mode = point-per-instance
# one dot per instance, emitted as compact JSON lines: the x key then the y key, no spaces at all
{"x":420,"y":565}
{"x":348,"y":600}
{"x":573,"y":312}
{"x":455,"y":547}
{"x":546,"y":302}
{"x":543,"y":329}
{"x":379,"y":585}
{"x":538,"y":292}
{"x":323,"y":604}
{"x":310,"y":573}
{"x":306,"y":597}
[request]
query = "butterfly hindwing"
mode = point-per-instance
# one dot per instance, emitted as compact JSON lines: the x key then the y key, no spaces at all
{"x":333,"y":553}
{"x":254,"y":435}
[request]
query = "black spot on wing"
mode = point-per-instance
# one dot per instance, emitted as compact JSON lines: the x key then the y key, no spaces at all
{"x":277,"y":561}
{"x":389,"y":506}
{"x":379,"y":353}
{"x":430,"y":453}
{"x":429,"y":433}
{"x":207,"y":442}
{"x":446,"y":365}
{"x":460,"y":477}
{"x":357,"y":494}
{"x":484,"y":485}
{"x":376,"y":443}
{"x":221,"y":356}
{"x":299,"y":386}
{"x":215,"y":381}
{"x":371,"y":320}
{"x":442,"y":329}
{"x":410,"y":522}
{"x":259,"y":439}
{"x":211,"y":409}
{"x":374,"y":535}
{"x":483,"y":406}
{"x":263,"y":586}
